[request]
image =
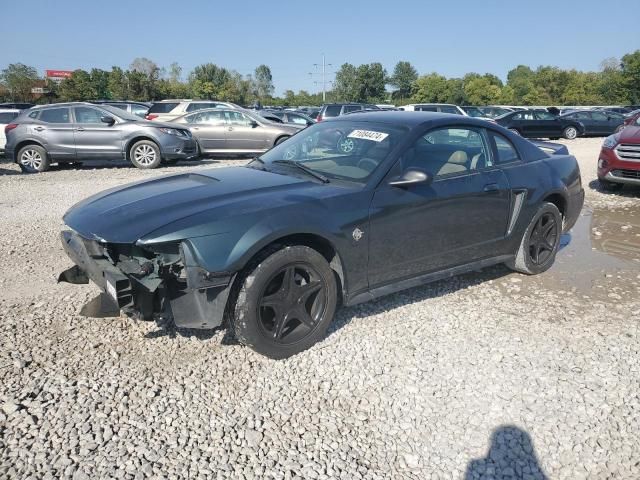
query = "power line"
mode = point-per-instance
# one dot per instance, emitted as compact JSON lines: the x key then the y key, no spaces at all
{"x":323,"y":73}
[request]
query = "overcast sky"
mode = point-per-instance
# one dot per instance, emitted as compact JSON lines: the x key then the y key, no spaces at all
{"x":450,"y":37}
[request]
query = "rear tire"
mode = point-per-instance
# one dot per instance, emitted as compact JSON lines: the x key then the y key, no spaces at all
{"x":33,"y":159}
{"x":281,"y":139}
{"x":540,"y":242}
{"x":515,"y":130}
{"x":286,"y":301}
{"x":145,"y":154}
{"x":570,"y":133}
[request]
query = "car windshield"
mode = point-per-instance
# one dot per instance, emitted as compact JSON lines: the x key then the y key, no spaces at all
{"x":474,"y":112}
{"x":341,"y":150}
{"x":118,"y":112}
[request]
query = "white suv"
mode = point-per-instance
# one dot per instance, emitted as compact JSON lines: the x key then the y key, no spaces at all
{"x":167,"y":110}
{"x":6,"y":117}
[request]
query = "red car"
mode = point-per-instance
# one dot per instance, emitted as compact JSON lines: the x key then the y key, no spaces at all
{"x":619,"y":161}
{"x":632,"y":118}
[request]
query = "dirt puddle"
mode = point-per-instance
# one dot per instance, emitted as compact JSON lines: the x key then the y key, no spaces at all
{"x":599,"y":259}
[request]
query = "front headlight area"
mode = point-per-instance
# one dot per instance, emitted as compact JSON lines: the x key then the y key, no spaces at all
{"x":175,"y":132}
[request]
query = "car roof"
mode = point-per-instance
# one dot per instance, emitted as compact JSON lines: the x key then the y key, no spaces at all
{"x":10,"y":110}
{"x":65,"y":104}
{"x":407,"y":119}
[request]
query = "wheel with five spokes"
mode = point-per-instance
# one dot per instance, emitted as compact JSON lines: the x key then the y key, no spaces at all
{"x":33,"y":159}
{"x":286,"y":302}
{"x":540,"y":241}
{"x":145,"y":154}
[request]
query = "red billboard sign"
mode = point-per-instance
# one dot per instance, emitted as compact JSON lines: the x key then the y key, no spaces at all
{"x":58,"y":73}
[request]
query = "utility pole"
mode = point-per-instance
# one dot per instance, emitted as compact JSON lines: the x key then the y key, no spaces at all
{"x":324,"y":82}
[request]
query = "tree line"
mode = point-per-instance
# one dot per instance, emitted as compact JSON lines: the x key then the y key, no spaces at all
{"x":616,"y":82}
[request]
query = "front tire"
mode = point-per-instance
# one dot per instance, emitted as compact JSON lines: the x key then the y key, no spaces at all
{"x":610,"y":186}
{"x":145,"y":155}
{"x":33,"y":159}
{"x":540,"y":242}
{"x":286,"y":302}
{"x":570,"y":133}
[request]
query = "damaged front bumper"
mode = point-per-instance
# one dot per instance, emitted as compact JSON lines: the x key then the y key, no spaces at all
{"x":162,"y":281}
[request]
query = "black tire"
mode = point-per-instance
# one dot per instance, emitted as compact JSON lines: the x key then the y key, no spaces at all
{"x":610,"y":186}
{"x":570,"y":133}
{"x":145,"y":154}
{"x":516,"y":131}
{"x":281,"y":139}
{"x":286,"y":301}
{"x":539,"y":246}
{"x":33,"y":159}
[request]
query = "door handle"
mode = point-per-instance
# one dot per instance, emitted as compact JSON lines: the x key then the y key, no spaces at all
{"x":230,"y":129}
{"x":491,"y":188}
{"x":79,"y":129}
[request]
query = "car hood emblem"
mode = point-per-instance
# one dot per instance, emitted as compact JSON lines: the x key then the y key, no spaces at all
{"x":357,"y":234}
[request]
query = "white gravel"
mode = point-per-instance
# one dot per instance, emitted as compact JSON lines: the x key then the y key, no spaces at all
{"x":488,"y":375}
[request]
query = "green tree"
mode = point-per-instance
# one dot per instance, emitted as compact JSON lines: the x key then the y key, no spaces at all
{"x":346,"y":85}
{"x":371,"y":81}
{"x":404,"y":75}
{"x":481,"y":91}
{"x":19,"y":79}
{"x":631,"y":75}
{"x":77,"y":87}
{"x":611,"y":86}
{"x":117,"y":84}
{"x":263,"y":82}
{"x":431,"y":88}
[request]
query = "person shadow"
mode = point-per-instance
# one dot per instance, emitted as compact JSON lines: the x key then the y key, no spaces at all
{"x":511,"y":456}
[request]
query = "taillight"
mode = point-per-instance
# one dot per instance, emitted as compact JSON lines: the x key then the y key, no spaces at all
{"x":150,"y":116}
{"x":10,"y":127}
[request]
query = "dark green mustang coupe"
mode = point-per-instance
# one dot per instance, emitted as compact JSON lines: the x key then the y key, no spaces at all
{"x":345,"y":211}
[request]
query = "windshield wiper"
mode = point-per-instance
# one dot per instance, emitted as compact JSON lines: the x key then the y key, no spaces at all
{"x":260,"y":161}
{"x":304,"y":168}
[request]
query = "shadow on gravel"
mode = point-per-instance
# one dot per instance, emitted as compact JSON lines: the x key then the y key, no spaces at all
{"x":416,"y":294}
{"x":511,"y":455}
{"x":627,"y":191}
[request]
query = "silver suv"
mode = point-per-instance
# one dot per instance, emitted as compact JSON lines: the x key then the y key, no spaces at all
{"x":168,"y":110}
{"x":77,"y":132}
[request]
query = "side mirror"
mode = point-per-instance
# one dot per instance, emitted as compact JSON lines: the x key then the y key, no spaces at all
{"x":411,"y":176}
{"x":108,"y":120}
{"x":253,"y":124}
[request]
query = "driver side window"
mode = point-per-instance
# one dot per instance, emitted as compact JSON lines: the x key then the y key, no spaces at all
{"x":449,"y":151}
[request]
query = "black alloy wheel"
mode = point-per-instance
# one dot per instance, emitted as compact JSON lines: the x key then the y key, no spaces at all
{"x":543,"y":239}
{"x":292,"y":304}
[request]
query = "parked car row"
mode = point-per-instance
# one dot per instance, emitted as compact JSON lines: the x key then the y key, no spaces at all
{"x":81,"y":132}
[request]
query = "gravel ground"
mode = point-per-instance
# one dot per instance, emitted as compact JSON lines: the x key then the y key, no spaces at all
{"x":491,"y":375}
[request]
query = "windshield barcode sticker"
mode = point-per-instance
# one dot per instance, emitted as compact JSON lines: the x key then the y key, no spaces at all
{"x":368,"y":135}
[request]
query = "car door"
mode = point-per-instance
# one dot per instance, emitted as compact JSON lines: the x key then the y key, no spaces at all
{"x":210,"y":130}
{"x":547,"y":125}
{"x":524,"y":123}
{"x":94,"y":138}
{"x":602,"y":123}
{"x":586,"y":119}
{"x":244,"y":134}
{"x":55,"y":128}
{"x":457,"y":218}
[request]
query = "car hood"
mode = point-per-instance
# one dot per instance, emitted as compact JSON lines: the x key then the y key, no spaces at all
{"x":629,"y":134}
{"x":126,"y":214}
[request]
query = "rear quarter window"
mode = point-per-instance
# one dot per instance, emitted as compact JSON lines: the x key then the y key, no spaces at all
{"x":163,"y":107}
{"x":507,"y":153}
{"x":332,"y":111}
{"x":7,"y":117}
